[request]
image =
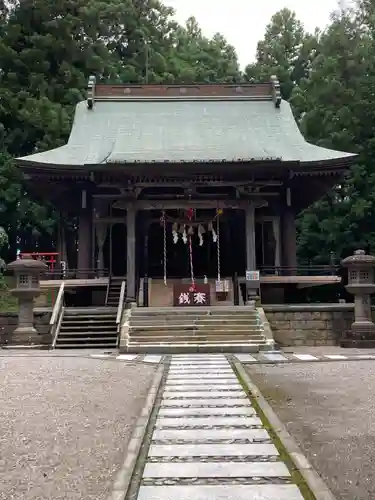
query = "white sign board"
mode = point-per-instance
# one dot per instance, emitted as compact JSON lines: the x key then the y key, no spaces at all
{"x":252,"y":276}
{"x":222,"y":286}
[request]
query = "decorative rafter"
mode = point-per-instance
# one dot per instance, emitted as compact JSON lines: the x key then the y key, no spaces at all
{"x":276,"y":93}
{"x":91,"y":92}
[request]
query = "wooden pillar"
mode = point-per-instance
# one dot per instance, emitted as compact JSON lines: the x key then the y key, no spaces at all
{"x":277,"y":236}
{"x":130,"y":254}
{"x":101,"y":235}
{"x":289,"y":238}
{"x":146,"y":231}
{"x":84,"y":233}
{"x":250,"y":238}
{"x":61,"y":241}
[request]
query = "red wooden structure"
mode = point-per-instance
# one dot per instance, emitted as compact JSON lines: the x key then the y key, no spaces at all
{"x":49,"y":258}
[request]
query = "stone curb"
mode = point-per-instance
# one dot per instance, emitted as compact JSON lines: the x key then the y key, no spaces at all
{"x":314,"y":482}
{"x":124,"y":475}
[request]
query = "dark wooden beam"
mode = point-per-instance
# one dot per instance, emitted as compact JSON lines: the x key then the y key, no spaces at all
{"x":185,"y":204}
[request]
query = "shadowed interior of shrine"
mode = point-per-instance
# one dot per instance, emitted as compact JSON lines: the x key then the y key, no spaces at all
{"x":214,"y":243}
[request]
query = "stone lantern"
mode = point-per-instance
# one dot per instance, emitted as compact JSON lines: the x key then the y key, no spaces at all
{"x":27,"y":273}
{"x":361,"y":285}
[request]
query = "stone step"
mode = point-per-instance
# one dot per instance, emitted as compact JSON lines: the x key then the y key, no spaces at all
{"x":195,"y":327}
{"x":193,"y":348}
{"x":187,"y":314}
{"x":197,"y":339}
{"x":194,"y":331}
{"x":199,"y":311}
{"x":106,"y":345}
{"x":90,"y":311}
{"x":84,"y":338}
{"x":89,"y":317}
{"x":89,"y":330}
{"x":144,"y":321}
{"x":89,"y":321}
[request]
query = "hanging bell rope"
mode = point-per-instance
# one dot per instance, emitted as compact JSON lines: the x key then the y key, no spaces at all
{"x":164,"y":247}
{"x":190,"y":215}
{"x":218,"y":248}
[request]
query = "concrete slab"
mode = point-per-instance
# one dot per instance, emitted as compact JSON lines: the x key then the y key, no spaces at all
{"x":213,"y":450}
{"x":216,"y":421}
{"x":246,"y":358}
{"x":216,"y":469}
{"x":273,"y":357}
{"x":200,"y":380}
{"x":195,"y":402}
{"x":210,"y":434}
{"x":152,"y":358}
{"x":305,"y":357}
{"x":205,"y":394}
{"x":198,"y":412}
{"x":223,"y":492}
{"x":196,"y":371}
{"x":199,"y":366}
{"x":126,"y":357}
{"x":230,"y":386}
{"x":199,"y":376}
{"x":335,"y":356}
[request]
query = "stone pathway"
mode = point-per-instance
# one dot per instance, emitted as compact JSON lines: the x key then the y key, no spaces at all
{"x":261,"y":357}
{"x":208,"y":442}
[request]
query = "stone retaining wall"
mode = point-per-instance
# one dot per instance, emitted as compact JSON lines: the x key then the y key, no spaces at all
{"x":309,"y":324}
{"x":8,"y":322}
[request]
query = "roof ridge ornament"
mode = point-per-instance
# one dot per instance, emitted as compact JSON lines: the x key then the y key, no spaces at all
{"x":91,"y":92}
{"x":276,"y":93}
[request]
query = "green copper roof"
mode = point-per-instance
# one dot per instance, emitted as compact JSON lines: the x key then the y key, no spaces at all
{"x":177,"y":130}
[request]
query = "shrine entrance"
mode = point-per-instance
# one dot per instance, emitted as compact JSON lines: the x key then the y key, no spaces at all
{"x":183,"y":244}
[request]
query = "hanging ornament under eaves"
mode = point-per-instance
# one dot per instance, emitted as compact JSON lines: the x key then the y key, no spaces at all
{"x":212,"y":229}
{"x":175,"y":232}
{"x":184,"y":235}
{"x":201,"y":231}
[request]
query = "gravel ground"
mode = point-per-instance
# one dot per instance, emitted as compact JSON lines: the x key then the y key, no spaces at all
{"x":322,"y":350}
{"x":329,"y":408}
{"x":65,"y":423}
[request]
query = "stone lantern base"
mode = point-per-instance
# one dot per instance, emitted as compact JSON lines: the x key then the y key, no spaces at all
{"x":362,"y":336}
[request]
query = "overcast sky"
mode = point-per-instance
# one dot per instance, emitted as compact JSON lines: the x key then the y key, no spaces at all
{"x":242,"y":22}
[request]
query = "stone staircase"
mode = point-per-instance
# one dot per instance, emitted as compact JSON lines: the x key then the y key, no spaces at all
{"x":114,"y":291}
{"x":89,"y":327}
{"x":198,"y":329}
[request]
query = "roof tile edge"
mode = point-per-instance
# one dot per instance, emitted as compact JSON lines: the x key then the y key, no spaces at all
{"x":245,"y":91}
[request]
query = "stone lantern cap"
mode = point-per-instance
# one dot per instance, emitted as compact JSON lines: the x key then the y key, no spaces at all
{"x":27,"y":266}
{"x":359,"y":259}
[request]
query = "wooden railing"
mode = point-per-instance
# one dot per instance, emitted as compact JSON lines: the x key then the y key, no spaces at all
{"x":302,"y":270}
{"x":57,"y":315}
{"x":120,"y":307}
{"x":107,"y":291}
{"x":68,"y":274}
{"x":309,"y":270}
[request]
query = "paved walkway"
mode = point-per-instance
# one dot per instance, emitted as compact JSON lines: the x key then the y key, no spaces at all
{"x":208,"y":442}
{"x":260,"y":358}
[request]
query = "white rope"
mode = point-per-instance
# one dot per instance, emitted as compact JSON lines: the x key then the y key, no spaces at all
{"x":165,"y":248}
{"x":191,"y":263}
{"x":218,"y":248}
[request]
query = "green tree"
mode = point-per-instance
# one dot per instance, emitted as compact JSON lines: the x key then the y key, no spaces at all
{"x":48,"y":48}
{"x":286,"y":51}
{"x":336,"y":109}
{"x":195,"y":58}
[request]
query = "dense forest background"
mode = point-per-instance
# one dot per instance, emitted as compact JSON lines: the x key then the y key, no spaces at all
{"x":48,"y":48}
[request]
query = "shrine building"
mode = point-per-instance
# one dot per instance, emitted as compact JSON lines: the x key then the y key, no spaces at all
{"x":172,"y":185}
